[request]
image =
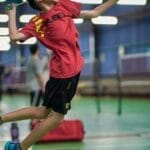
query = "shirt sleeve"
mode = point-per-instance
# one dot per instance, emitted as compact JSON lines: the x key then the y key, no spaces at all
{"x":72,"y":7}
{"x":28,"y":30}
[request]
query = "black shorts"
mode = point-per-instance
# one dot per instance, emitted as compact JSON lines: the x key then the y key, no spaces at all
{"x":59,"y":93}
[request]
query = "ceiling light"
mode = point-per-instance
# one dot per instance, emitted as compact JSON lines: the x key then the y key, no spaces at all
{"x":4,"y":46}
{"x":25,"y":18}
{"x":105,"y":20}
{"x":132,"y":2}
{"x":89,"y":1}
{"x":4,"y":18}
{"x":4,"y":43}
{"x":4,"y":31}
{"x":5,"y":39}
{"x":78,"y":21}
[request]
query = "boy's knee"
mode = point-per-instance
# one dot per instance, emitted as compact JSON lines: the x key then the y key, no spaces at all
{"x":57,"y":118}
{"x":42,"y":112}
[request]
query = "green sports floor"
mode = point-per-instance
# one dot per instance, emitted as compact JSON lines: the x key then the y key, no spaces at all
{"x":103,"y":131}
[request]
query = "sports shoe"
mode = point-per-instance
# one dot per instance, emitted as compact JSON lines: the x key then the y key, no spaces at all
{"x":12,"y":146}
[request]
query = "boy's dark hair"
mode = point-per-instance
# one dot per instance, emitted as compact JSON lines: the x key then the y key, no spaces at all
{"x":33,"y":4}
{"x":33,"y":49}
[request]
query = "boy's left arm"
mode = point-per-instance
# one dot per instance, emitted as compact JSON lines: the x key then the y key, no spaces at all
{"x":98,"y":10}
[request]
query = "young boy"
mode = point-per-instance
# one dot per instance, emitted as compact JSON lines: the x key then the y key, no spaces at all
{"x":55,"y":29}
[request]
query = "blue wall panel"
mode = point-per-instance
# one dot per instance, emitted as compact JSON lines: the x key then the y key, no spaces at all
{"x":134,"y":34}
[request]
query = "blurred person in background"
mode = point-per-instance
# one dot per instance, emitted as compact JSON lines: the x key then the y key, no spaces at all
{"x":35,"y":76}
{"x":9,"y":79}
{"x":45,"y":60}
{"x":1,"y":82}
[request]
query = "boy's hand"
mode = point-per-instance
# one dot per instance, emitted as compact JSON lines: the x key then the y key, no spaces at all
{"x":9,"y":8}
{"x":98,"y":10}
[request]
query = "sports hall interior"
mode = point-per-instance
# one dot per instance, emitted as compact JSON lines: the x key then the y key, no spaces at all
{"x":113,"y":95}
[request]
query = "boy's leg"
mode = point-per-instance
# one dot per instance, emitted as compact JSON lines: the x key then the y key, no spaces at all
{"x":50,"y":123}
{"x":26,"y":113}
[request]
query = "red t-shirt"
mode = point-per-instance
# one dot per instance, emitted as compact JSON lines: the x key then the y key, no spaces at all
{"x":60,"y":35}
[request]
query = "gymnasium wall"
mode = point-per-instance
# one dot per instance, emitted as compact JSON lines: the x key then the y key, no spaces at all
{"x":131,"y":32}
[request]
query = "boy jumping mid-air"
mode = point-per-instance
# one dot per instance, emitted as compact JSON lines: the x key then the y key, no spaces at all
{"x":55,"y":29}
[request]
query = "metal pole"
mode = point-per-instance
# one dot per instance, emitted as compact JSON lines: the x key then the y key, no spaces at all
{"x":96,"y":72}
{"x":119,"y":74}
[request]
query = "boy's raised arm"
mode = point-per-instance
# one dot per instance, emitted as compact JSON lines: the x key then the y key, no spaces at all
{"x":14,"y":34}
{"x":98,"y":10}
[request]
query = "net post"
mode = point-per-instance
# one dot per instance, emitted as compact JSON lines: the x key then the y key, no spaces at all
{"x":96,"y":70}
{"x":119,"y":73}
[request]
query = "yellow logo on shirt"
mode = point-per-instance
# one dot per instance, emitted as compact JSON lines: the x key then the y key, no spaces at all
{"x":67,"y":105}
{"x":38,"y":25}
